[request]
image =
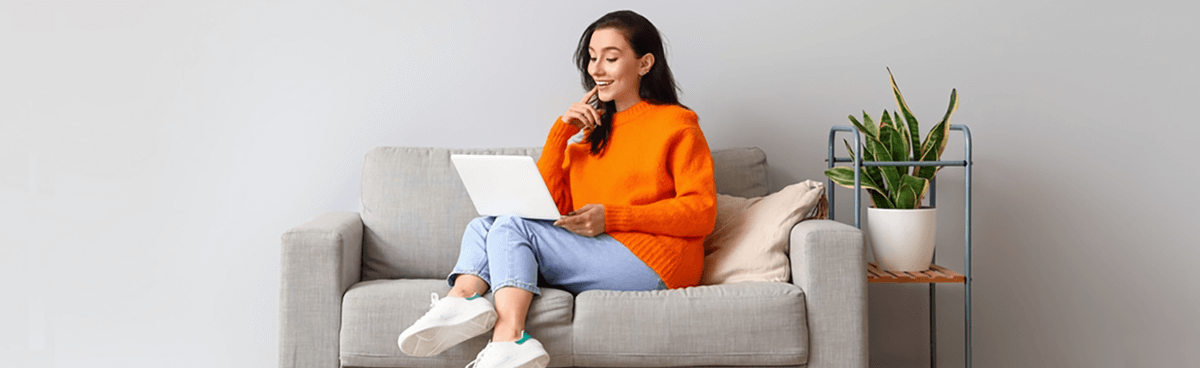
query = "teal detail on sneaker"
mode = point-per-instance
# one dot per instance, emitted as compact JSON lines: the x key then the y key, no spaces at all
{"x":524,"y":336}
{"x":472,"y":297}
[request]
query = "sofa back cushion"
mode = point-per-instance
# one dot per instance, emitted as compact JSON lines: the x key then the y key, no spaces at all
{"x":415,"y":208}
{"x":741,"y":172}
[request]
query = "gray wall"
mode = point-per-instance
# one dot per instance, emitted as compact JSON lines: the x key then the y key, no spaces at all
{"x":152,"y":154}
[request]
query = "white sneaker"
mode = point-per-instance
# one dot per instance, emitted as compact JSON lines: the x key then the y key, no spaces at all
{"x":448,"y":322}
{"x":524,"y":353}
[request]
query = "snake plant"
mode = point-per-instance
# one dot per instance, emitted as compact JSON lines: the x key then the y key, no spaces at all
{"x":895,"y":140}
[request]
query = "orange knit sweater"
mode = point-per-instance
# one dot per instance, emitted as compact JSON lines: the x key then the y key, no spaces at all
{"x":655,"y":181}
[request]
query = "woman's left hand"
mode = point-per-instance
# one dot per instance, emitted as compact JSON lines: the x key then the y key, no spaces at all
{"x":587,"y":221}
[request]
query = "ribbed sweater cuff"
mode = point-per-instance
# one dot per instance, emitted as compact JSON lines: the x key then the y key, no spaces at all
{"x":618,"y":218}
{"x":561,"y":132}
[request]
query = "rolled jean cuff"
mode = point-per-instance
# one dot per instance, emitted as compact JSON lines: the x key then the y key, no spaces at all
{"x":517,"y":284}
{"x":454,"y":275}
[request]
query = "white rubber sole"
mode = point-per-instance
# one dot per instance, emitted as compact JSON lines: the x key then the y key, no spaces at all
{"x":540,"y":361}
{"x":436,"y":339}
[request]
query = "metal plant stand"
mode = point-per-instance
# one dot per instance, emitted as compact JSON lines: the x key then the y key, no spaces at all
{"x":935,"y":274}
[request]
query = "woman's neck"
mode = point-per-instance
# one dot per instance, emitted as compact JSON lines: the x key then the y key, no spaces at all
{"x":627,"y":101}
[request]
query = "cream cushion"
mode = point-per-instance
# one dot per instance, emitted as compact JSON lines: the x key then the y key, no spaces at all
{"x":750,"y":239}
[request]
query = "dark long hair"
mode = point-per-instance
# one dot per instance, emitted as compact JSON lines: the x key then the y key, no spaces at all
{"x":657,"y":86}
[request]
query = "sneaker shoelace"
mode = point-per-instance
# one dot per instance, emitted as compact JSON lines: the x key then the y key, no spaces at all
{"x":434,"y":299}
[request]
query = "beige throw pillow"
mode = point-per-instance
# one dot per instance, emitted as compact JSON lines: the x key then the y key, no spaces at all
{"x":750,"y":240}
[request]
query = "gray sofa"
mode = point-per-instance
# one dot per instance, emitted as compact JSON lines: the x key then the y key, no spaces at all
{"x":352,"y":281}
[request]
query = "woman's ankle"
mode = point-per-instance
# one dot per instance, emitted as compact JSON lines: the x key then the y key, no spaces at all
{"x":460,"y":293}
{"x":467,"y":285}
{"x":505,"y":335}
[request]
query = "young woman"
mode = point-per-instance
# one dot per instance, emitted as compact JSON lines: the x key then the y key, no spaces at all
{"x":634,"y":181}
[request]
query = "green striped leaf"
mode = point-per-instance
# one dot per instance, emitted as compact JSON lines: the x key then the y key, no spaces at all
{"x":869,"y":128}
{"x":905,"y":198}
{"x":871,"y":172}
{"x":891,"y":178}
{"x":880,"y":200}
{"x":844,"y":176}
{"x":903,"y":131}
{"x":870,"y":144}
{"x":913,"y":127}
{"x":898,"y":143}
{"x":851,"y":150}
{"x":888,"y":136}
{"x":907,"y":135}
{"x":871,"y":179}
{"x":935,"y":143}
{"x":912,"y":192}
{"x":879,"y":149}
{"x":870,"y":124}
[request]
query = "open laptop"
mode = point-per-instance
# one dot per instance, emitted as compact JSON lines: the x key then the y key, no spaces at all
{"x":505,"y":185}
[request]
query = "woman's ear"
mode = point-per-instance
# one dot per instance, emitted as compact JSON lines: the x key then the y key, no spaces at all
{"x":644,"y":63}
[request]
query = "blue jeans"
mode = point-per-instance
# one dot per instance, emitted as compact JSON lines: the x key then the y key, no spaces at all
{"x":509,"y":251}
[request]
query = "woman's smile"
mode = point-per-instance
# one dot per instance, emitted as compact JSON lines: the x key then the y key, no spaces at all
{"x":603,"y":91}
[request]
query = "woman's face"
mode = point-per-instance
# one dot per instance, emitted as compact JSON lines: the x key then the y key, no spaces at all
{"x":615,"y":68}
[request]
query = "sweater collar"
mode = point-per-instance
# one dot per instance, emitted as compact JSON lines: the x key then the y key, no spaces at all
{"x":632,"y":112}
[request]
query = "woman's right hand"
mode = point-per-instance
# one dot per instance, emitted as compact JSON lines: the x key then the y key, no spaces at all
{"x":581,"y":114}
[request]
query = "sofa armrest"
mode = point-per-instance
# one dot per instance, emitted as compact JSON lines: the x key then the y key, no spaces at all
{"x":320,"y":260}
{"x":828,"y":264}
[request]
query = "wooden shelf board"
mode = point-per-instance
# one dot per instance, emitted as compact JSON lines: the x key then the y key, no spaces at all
{"x":935,"y":274}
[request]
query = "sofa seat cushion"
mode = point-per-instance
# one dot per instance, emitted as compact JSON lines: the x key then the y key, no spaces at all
{"x":738,"y":324}
{"x":375,"y":312}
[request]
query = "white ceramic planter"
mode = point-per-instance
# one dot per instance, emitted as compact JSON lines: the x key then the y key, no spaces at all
{"x":902,"y":239}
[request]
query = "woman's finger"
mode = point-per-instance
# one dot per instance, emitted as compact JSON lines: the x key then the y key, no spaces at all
{"x":595,"y":215}
{"x":588,"y":96}
{"x":571,"y":117}
{"x":577,"y":119}
{"x":591,"y":113}
{"x":585,"y":112}
{"x":566,"y":222}
{"x":574,"y":224}
{"x":581,"y":116}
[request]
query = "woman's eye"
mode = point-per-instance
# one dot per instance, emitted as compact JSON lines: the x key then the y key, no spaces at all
{"x":611,"y":60}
